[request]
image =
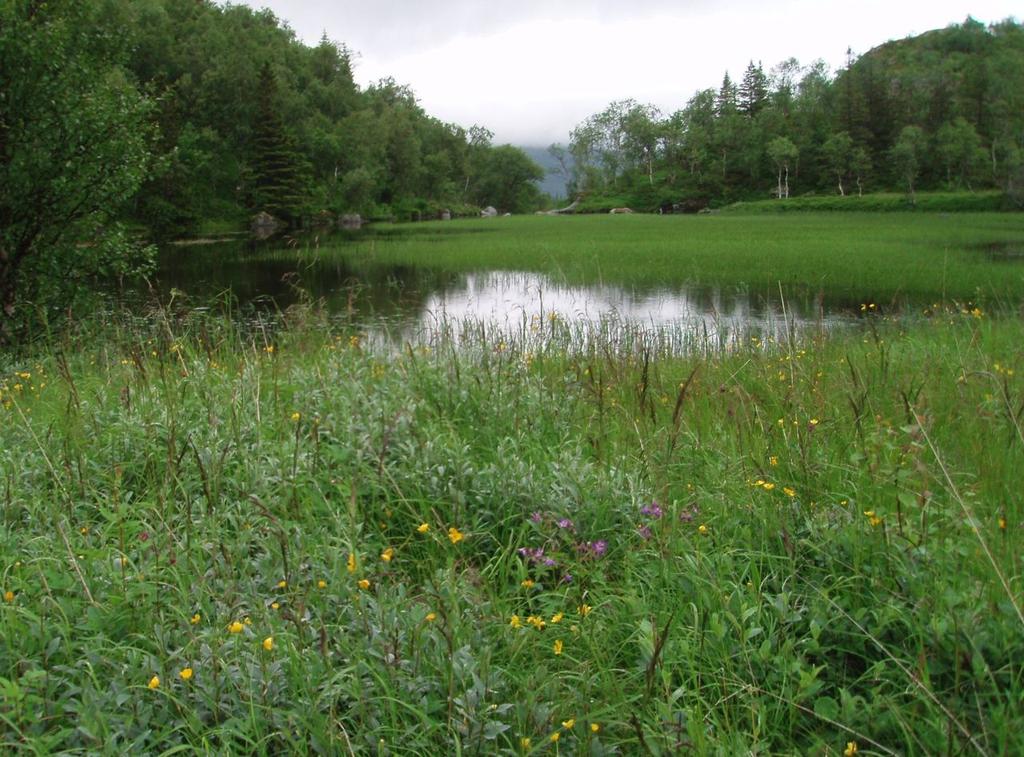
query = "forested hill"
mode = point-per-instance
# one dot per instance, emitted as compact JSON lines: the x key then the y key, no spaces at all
{"x":249,"y":118}
{"x":943,"y":110}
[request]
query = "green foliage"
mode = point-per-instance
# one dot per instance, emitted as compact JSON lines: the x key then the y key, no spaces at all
{"x":74,"y":147}
{"x":277,"y":183}
{"x":231,"y":141}
{"x":783,"y":549}
{"x":961,"y":87}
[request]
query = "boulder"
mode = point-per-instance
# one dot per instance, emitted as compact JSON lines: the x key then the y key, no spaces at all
{"x":351,"y":221}
{"x":620,"y":211}
{"x":263,"y":225}
{"x":445,"y":215}
{"x":488,"y":212}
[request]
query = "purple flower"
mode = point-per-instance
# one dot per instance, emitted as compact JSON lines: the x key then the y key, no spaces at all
{"x":566,"y":523}
{"x":532,"y":555}
{"x":567,"y":578}
{"x":653,"y":510}
{"x":688,"y":515}
{"x":591,"y":549}
{"x":537,"y":516}
{"x":645,"y":532}
{"x":549,"y":562}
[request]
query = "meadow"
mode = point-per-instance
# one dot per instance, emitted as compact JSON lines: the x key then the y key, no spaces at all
{"x":272,"y":538}
{"x":884,"y":258}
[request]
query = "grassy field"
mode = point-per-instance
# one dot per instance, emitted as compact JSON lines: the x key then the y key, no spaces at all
{"x":880,"y":202}
{"x":850,"y":258}
{"x":229,"y":543}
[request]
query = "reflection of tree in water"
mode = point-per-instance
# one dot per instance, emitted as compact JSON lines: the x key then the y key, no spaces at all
{"x":410,"y":300}
{"x":276,"y":278}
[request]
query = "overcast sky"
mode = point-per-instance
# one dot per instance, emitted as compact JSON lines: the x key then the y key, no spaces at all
{"x":530,"y":70}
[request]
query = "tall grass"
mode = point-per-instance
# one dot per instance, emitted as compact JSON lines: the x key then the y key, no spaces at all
{"x":847,"y":259}
{"x":796,"y":546}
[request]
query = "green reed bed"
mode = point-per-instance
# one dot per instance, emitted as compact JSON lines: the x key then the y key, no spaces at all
{"x":295,"y":543}
{"x":848,"y":258}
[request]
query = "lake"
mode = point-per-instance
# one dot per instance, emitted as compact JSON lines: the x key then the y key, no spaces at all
{"x":406,"y":303}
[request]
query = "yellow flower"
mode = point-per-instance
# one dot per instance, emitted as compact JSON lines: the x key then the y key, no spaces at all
{"x":431,"y":617}
{"x":296,"y":417}
{"x":247,"y":620}
{"x":555,"y":737}
{"x":773,"y":461}
{"x":194,"y":620}
{"x":275,"y":606}
{"x":282,"y":584}
{"x":526,"y":584}
{"x":387,"y":554}
{"x":1002,"y":524}
{"x":455,"y":535}
{"x":768,"y":486}
{"x":269,"y":349}
{"x":584,"y":610}
{"x":185,"y":674}
{"x":536,"y":622}
{"x":568,"y":724}
{"x":8,"y":596}
{"x":422,"y":528}
{"x":557,"y":617}
{"x":814,"y":421}
{"x":789,"y":491}
{"x":524,"y":743}
{"x":851,"y":749}
{"x":515,"y":622}
{"x":558,"y":646}
{"x":874,"y":521}
{"x":321,"y":584}
{"x":595,"y":727}
{"x":268,"y":643}
{"x":154,"y":682}
{"x":235,"y":627}
{"x":364,"y":584}
{"x":702,"y":528}
{"x":351,"y":563}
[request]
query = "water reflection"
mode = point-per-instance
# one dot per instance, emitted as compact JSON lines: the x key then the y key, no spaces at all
{"x":398,"y":304}
{"x":522,"y":303}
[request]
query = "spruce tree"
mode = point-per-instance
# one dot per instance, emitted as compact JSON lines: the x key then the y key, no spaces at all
{"x":753,"y":91}
{"x":277,"y":176}
{"x":725,"y":103}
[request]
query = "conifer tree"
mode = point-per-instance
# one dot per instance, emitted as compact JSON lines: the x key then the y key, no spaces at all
{"x":277,"y":175}
{"x":753,"y":90}
{"x":725,"y":103}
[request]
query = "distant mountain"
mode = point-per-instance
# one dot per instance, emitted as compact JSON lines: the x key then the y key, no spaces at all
{"x":553,"y":183}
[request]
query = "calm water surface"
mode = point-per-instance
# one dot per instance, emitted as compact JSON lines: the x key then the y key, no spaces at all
{"x":402,"y":303}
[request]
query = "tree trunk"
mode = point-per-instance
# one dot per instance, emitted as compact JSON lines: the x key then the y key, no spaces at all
{"x":786,"y":183}
{"x":778,"y":191}
{"x":841,"y":192}
{"x":860,"y":188}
